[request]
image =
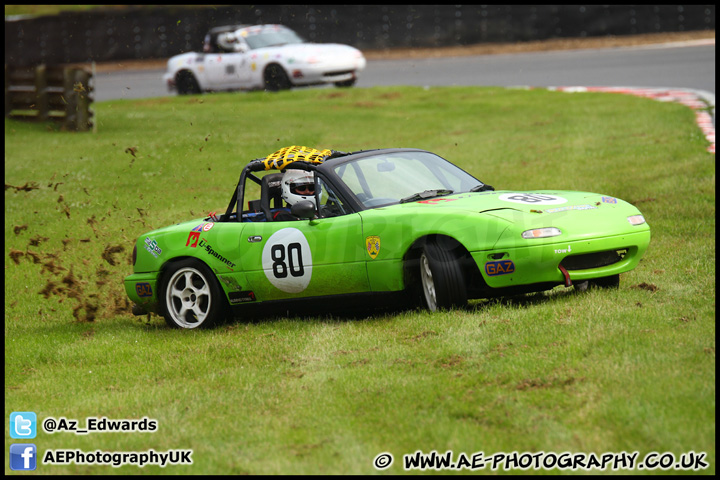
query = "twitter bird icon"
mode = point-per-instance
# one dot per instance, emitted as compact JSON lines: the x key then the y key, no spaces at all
{"x":23,"y":425}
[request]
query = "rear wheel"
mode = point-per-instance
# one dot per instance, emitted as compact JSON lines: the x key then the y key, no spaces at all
{"x":275,"y":78}
{"x":441,"y":276}
{"x":192,"y":297}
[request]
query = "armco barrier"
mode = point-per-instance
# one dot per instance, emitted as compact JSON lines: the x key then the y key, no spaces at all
{"x":146,"y":32}
{"x":44,"y":93}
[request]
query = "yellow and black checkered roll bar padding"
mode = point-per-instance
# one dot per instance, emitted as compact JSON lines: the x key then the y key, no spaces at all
{"x":285,"y":156}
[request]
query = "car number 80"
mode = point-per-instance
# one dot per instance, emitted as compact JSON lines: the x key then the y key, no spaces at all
{"x":294,"y":260}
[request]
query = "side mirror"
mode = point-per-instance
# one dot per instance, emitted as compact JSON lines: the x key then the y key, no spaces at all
{"x":304,"y":209}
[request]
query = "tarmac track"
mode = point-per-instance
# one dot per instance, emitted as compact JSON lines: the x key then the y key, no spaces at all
{"x":666,"y":71}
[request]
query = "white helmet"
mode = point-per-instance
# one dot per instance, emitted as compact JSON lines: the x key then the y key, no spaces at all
{"x":227,"y":41}
{"x":298,"y":185}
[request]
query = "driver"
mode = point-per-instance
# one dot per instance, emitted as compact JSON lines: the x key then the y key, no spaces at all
{"x":297,"y":185}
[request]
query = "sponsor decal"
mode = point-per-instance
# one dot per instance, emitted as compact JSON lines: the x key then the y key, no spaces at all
{"x":532,"y":198}
{"x":609,"y":200}
{"x":193,"y":239}
{"x":143,"y":289}
{"x":502,"y":267}
{"x":208,"y":248}
{"x":241,"y":297}
{"x":372,"y":243}
{"x":574,"y":207}
{"x":435,"y":201}
{"x":194,"y":236}
{"x":207,"y":226}
{"x":152,"y":246}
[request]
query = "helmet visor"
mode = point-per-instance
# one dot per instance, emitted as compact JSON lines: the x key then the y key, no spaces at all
{"x":302,"y":188}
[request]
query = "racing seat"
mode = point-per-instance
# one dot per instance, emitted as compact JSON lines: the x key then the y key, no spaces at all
{"x":270,"y":189}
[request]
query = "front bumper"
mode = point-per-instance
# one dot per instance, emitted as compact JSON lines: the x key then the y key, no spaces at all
{"x":527,"y":265}
{"x":313,"y":74}
{"x":142,"y":289}
{"x":169,"y":81}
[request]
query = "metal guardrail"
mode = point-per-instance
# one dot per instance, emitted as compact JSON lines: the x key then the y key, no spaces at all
{"x":43,"y":93}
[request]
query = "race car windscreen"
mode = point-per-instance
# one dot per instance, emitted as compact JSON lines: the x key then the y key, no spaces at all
{"x":401,"y":177}
{"x":269,"y":37}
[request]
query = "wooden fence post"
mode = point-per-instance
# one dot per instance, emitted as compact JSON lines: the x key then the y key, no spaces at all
{"x":41,"y":93}
{"x":70,"y":99}
{"x":81,"y":88}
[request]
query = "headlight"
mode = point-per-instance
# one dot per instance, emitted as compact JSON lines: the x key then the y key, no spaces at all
{"x":636,"y":220}
{"x":542,"y":232}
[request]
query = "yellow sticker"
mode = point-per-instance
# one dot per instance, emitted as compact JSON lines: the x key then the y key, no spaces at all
{"x":372,"y":243}
{"x":253,"y":66}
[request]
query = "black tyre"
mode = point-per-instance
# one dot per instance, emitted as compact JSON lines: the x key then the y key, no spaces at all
{"x":612,"y":281}
{"x":186,"y":83}
{"x":275,"y":78}
{"x":346,"y":83}
{"x":441,"y":276}
{"x":191,"y":296}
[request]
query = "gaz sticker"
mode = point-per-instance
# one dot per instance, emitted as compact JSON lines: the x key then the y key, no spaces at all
{"x":502,"y":267}
{"x":287,"y":260}
{"x":532,"y":198}
{"x":143,"y":289}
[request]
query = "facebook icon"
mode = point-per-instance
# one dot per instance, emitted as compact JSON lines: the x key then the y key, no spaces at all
{"x":23,"y":456}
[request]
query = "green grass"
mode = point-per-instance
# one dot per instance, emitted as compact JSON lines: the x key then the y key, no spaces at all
{"x":630,"y":370}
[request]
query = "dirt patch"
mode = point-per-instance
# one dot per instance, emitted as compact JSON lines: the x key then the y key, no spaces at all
{"x":539,"y":46}
{"x":25,"y":188}
{"x":88,"y":287}
{"x":541,"y":383}
{"x":647,"y":286}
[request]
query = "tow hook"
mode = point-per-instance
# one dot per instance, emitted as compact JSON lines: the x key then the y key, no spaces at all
{"x":568,"y":282}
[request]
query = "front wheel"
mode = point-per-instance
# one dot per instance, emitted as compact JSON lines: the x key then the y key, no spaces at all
{"x":186,"y":83}
{"x":441,"y":277}
{"x":276,"y":79}
{"x":191,"y":296}
{"x":612,"y":281}
{"x":346,"y":83}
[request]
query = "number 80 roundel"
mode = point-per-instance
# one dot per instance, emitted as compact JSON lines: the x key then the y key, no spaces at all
{"x":287,"y":260}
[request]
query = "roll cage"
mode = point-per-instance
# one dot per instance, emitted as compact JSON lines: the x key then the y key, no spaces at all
{"x":324,"y":171}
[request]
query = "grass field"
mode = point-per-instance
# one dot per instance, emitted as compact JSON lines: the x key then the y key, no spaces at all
{"x":626,"y":370}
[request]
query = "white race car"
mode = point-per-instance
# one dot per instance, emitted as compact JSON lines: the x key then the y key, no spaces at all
{"x":270,"y":57}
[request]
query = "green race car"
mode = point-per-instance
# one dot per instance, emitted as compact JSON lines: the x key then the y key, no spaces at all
{"x":402,"y":223}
